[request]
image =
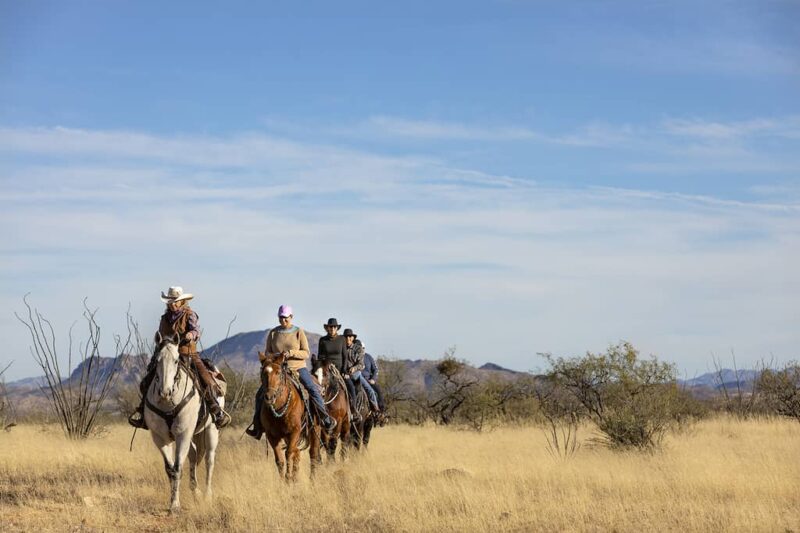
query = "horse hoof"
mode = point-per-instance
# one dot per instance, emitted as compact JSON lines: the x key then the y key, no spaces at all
{"x":175,"y":510}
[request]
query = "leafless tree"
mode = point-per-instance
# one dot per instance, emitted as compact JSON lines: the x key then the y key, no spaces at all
{"x":76,"y":399}
{"x":738,"y":398}
{"x":8,"y":415}
{"x":214,"y":355}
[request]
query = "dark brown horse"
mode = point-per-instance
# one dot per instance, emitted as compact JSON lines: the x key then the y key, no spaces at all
{"x":334,"y":393}
{"x":361,"y":431}
{"x":284,"y":418}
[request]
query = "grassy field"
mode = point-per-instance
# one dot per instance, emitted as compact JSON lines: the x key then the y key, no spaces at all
{"x":722,"y":475}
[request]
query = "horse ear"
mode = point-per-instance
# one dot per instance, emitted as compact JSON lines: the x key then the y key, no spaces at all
{"x":159,"y":338}
{"x":262,"y":357}
{"x":176,"y":338}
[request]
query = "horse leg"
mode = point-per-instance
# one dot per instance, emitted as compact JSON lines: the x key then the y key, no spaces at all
{"x":292,"y":456}
{"x":344,"y":437}
{"x":277,"y":451}
{"x":165,"y":447}
{"x":211,"y":438}
{"x":193,"y":460}
{"x":314,"y":450}
{"x":367,"y":432}
{"x":182,"y":445}
{"x":330,"y":445}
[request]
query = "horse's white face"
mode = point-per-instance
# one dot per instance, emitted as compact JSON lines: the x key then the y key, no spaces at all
{"x":167,"y":368}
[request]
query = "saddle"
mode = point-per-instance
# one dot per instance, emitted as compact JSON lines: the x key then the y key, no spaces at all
{"x":294,"y":378}
{"x":215,"y":373}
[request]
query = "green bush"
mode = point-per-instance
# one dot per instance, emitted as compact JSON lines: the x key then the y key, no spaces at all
{"x":780,"y":390}
{"x":632,"y":401}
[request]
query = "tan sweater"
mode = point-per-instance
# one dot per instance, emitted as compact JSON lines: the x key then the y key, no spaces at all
{"x":292,"y":340}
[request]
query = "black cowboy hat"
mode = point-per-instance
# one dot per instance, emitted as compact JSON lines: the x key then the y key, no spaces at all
{"x":332,"y":322}
{"x":349,"y":333}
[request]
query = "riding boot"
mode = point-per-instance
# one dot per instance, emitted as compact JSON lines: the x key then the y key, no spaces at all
{"x":254,"y":429}
{"x":136,"y":419}
{"x":221,"y":418}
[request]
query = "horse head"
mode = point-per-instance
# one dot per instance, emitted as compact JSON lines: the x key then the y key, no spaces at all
{"x":274,"y":370}
{"x":325,"y":377}
{"x":167,"y":359}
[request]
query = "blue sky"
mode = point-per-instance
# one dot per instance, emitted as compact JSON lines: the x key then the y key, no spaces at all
{"x":510,"y":177}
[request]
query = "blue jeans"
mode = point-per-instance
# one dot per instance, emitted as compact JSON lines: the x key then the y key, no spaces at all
{"x":313,"y":391}
{"x":356,"y":377}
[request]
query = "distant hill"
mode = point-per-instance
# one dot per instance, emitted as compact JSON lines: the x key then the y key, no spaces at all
{"x":726,"y":377}
{"x":240,"y":353}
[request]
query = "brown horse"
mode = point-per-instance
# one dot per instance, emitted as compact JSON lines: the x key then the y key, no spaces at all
{"x":361,"y":431}
{"x":284,"y":418}
{"x":334,"y":393}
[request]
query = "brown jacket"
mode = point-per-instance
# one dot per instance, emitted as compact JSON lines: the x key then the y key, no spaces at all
{"x":181,"y":322}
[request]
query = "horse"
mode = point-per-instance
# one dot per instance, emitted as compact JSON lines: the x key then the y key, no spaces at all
{"x":335,"y":395}
{"x":172,"y":412}
{"x":284,"y":418}
{"x":360,"y":431}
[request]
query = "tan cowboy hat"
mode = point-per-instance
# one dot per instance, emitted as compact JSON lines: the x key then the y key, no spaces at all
{"x":175,"y":294}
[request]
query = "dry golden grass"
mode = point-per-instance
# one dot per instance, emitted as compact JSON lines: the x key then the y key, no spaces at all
{"x":724,"y":475}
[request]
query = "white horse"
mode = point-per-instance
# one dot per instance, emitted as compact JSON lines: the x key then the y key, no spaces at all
{"x":172,"y":408}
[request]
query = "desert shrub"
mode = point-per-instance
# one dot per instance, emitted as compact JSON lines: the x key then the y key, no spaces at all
{"x":497,"y":401}
{"x":560,"y":413}
{"x":632,"y":401}
{"x":453,"y":384}
{"x":780,"y":390}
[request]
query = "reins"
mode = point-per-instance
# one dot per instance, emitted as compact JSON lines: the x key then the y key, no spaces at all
{"x":270,"y":401}
{"x":170,"y":416}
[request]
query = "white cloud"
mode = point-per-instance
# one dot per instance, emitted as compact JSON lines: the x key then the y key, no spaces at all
{"x":415,"y":254}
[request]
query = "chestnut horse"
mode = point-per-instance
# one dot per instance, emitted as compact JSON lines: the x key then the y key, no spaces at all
{"x":334,"y":393}
{"x":284,"y":418}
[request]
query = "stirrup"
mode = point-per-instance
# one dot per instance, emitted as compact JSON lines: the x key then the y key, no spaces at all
{"x":221,"y":419}
{"x":253,"y":432}
{"x":137,"y":421}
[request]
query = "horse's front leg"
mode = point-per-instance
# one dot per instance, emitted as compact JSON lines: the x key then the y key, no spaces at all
{"x":292,"y":456}
{"x":182,"y":445}
{"x":165,"y":447}
{"x":277,"y":451}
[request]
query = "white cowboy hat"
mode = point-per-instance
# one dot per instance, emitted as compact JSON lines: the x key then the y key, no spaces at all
{"x":175,"y":294}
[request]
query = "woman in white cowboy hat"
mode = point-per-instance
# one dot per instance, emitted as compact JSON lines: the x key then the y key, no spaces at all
{"x":180,"y":319}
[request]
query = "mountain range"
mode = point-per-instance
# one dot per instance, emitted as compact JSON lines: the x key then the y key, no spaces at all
{"x":240,"y":354}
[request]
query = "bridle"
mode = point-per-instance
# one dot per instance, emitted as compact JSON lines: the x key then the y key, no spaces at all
{"x":169,"y":416}
{"x":270,"y":398}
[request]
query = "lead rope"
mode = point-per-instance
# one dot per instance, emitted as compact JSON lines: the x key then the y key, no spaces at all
{"x":130,"y":449}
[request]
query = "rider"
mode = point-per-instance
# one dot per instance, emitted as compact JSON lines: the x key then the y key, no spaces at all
{"x":354,"y":364}
{"x":370,"y":373}
{"x":331,"y":346}
{"x":290,"y":341}
{"x":180,"y":319}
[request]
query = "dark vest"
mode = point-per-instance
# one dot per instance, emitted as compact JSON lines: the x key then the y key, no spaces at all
{"x":167,"y":329}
